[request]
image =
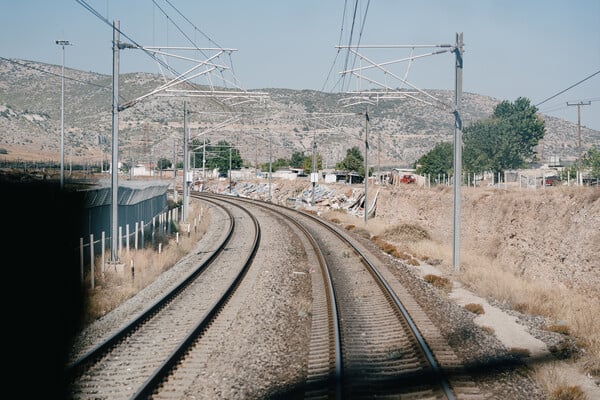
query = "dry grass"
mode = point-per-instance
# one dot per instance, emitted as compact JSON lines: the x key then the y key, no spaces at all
{"x":488,"y":277}
{"x":438,"y":281}
{"x":559,"y":328}
{"x":519,"y":352}
{"x":141,"y":267}
{"x":552,"y":379}
{"x":488,"y":329}
{"x":405,"y":233}
{"x":485,"y":272}
{"x":475,"y":308}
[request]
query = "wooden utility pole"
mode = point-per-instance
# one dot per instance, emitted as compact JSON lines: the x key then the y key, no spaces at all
{"x":579,"y":104}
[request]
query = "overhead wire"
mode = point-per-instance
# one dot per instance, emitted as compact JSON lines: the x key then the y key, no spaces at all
{"x":337,"y":53}
{"x":362,"y":27}
{"x":135,"y":44}
{"x":54,"y":74}
{"x":350,"y":39}
{"x":570,"y":87}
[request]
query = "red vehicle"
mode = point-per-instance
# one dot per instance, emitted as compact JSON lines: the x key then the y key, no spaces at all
{"x":552,"y":181}
{"x":408,"y":179}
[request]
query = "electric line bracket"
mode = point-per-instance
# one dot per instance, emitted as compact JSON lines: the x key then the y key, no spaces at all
{"x":376,"y":81}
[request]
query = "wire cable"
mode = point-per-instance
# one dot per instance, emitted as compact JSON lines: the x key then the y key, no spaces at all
{"x":54,"y":74}
{"x":338,"y":50}
{"x":570,"y":87}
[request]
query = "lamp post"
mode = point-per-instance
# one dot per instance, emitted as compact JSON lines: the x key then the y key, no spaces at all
{"x":62,"y":43}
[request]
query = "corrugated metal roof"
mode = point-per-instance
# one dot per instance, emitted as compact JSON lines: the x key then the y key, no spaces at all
{"x":130,"y":192}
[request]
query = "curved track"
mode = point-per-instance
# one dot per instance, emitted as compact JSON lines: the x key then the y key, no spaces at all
{"x":135,"y":360}
{"x":383,"y":352}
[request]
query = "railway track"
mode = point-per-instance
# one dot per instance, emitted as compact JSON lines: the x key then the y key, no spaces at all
{"x":132,"y":362}
{"x":375,"y":347}
{"x":368,"y":338}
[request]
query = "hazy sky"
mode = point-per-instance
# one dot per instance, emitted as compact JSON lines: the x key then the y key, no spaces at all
{"x":513,"y":48}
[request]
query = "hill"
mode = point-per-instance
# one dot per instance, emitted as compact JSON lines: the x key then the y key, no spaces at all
{"x":400,"y":131}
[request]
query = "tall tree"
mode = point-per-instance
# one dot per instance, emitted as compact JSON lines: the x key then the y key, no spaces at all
{"x":297,"y":159}
{"x":437,"y":161}
{"x":307,"y":163}
{"x":504,"y":141}
{"x":217,"y":156}
{"x":591,"y":160}
{"x":353,"y":161}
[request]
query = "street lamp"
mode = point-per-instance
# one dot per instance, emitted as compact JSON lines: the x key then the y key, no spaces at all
{"x":62,"y":43}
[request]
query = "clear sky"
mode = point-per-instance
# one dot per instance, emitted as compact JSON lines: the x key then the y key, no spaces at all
{"x":513,"y":48}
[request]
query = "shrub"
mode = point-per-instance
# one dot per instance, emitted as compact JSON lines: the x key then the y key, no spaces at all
{"x":568,"y":393}
{"x":414,"y":262}
{"x":406,"y":232}
{"x":438,"y":281}
{"x":519,"y":352}
{"x":488,"y":329}
{"x":559,"y":328}
{"x":475,"y":308}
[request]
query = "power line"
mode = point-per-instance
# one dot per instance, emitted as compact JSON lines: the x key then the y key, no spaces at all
{"x":53,"y":74}
{"x":570,"y":87}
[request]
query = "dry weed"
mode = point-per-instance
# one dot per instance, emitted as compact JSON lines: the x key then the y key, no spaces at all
{"x":438,"y":281}
{"x":568,"y":393}
{"x":141,"y":267}
{"x":488,"y":329}
{"x":519,"y":352}
{"x":559,"y":328}
{"x":475,"y":308}
{"x":406,"y":233}
{"x":552,"y":379}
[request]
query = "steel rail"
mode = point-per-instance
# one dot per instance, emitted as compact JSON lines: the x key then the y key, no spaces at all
{"x":330,"y":292}
{"x":436,"y":369}
{"x":97,"y":351}
{"x":146,"y":390}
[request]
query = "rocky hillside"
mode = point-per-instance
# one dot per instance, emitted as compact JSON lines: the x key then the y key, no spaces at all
{"x":400,"y":131}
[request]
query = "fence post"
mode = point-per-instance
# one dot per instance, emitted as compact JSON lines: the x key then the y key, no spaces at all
{"x":81,"y":258}
{"x":127,"y":237}
{"x":136,"y":235}
{"x":92,"y":259}
{"x":142,"y":229}
{"x":120,"y":240}
{"x":102,"y":253}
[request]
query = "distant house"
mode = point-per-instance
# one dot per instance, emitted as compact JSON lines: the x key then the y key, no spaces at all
{"x":348,"y":177}
{"x":142,"y":170}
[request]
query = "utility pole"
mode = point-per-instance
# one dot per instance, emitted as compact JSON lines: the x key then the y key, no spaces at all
{"x":457,"y":149}
{"x":579,"y":104}
{"x":114,"y":236}
{"x":379,"y":157}
{"x":186,"y":161}
{"x":314,"y":174}
{"x":230,"y":169}
{"x":270,"y":163}
{"x":62,"y":43}
{"x":366,"y":203}
{"x":175,"y":170}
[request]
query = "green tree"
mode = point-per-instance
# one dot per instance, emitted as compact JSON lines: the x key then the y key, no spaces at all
{"x":307,"y":163}
{"x":163,"y":163}
{"x":353,"y":161}
{"x":275,"y":165}
{"x":438,"y":160}
{"x":297,"y":159}
{"x":217,"y":156}
{"x":591,"y":160}
{"x":504,"y":141}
